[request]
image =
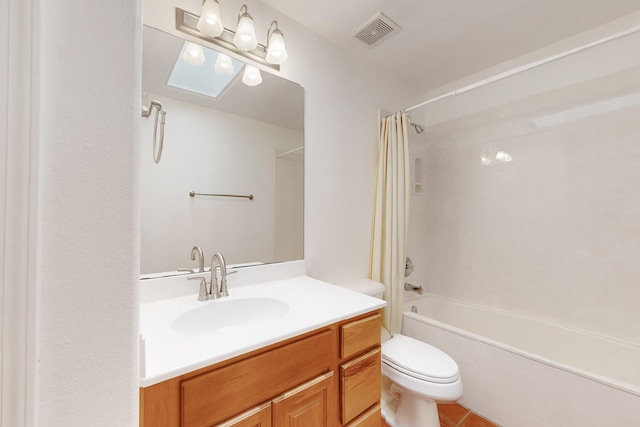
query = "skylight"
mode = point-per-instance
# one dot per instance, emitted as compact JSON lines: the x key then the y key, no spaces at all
{"x":202,"y":79}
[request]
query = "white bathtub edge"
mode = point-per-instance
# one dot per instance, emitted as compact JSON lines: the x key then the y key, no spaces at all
{"x":625,"y":387}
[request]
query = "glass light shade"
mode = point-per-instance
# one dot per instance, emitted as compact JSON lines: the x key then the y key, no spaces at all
{"x":193,"y":54}
{"x":251,"y":76}
{"x":245,"y":38}
{"x":502,"y":156}
{"x":210,"y":22}
{"x":224,"y":66}
{"x":276,"y":52}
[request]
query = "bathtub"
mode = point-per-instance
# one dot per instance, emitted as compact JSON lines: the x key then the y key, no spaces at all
{"x":520,"y":372}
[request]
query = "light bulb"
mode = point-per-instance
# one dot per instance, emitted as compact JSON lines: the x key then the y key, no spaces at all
{"x":276,"y":51}
{"x":502,"y":156}
{"x":210,"y":22}
{"x":224,"y":65}
{"x":193,"y":54}
{"x":251,"y":76}
{"x":245,"y":38}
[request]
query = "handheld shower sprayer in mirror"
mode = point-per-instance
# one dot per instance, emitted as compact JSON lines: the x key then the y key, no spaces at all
{"x":160,"y":112}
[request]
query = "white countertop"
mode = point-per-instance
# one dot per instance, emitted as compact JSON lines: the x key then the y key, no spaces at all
{"x":312,"y":304}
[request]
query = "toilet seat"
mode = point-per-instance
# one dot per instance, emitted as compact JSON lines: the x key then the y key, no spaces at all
{"x":419,"y":360}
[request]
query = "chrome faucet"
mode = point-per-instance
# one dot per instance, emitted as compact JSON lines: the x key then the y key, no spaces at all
{"x":412,"y":288}
{"x":197,"y":250}
{"x":215,"y":292}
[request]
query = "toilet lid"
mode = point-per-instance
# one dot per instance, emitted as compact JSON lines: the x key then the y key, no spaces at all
{"x":419,"y":360}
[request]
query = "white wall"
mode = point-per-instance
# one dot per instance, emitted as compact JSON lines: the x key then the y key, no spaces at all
{"x":87,"y":242}
{"x":210,"y":152}
{"x":555,"y":233}
{"x":342,"y":97}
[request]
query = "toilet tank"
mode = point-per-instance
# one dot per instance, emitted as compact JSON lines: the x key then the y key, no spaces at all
{"x":365,"y":286}
{"x":371,"y":288}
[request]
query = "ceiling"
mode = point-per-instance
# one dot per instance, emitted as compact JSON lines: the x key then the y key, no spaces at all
{"x":445,"y":40}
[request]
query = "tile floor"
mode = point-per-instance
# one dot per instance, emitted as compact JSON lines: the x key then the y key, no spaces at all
{"x":454,"y":415}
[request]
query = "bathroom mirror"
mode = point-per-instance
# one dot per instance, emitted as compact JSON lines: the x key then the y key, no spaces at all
{"x":244,"y":140}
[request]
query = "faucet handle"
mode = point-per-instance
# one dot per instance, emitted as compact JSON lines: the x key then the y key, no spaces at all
{"x":203,"y":295}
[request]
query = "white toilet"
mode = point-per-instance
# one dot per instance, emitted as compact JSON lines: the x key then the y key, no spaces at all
{"x":421,"y":375}
{"x":418,"y":375}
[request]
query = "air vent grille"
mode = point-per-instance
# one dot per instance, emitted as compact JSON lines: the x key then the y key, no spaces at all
{"x":377,"y":28}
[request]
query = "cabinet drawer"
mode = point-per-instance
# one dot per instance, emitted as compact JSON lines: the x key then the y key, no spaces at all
{"x":360,"y":335}
{"x":370,"y":418}
{"x":360,"y":383}
{"x":220,"y":394}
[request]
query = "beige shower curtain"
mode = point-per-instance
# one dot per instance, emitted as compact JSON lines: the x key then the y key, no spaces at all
{"x":391,"y":216}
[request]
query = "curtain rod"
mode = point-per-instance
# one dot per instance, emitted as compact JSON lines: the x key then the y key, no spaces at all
{"x":529,"y":66}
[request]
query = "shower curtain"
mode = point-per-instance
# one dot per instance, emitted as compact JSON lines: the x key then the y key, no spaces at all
{"x":391,"y":216}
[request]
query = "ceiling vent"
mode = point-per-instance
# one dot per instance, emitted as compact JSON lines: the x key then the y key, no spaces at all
{"x":376,"y":29}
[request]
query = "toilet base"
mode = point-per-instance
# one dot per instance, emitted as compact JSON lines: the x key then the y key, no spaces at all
{"x":412,"y":410}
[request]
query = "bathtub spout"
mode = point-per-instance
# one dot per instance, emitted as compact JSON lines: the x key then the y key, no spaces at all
{"x":410,"y":287}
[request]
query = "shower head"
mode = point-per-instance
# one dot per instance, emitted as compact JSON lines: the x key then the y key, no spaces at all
{"x":419,"y":129}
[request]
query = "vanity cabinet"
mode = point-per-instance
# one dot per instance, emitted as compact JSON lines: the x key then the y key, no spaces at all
{"x":326,"y":378}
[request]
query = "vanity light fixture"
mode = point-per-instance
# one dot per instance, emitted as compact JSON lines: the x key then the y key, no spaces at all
{"x":224,"y":65}
{"x":210,"y":22}
{"x":276,"y":50}
{"x":194,"y":54}
{"x":245,"y":38}
{"x":234,"y":44}
{"x":251,"y":76}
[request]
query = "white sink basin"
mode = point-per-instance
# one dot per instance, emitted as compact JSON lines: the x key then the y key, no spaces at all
{"x":229,"y":314}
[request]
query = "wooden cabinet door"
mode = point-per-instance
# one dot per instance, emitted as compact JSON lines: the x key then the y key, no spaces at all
{"x":306,"y":405}
{"x":259,"y":416}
